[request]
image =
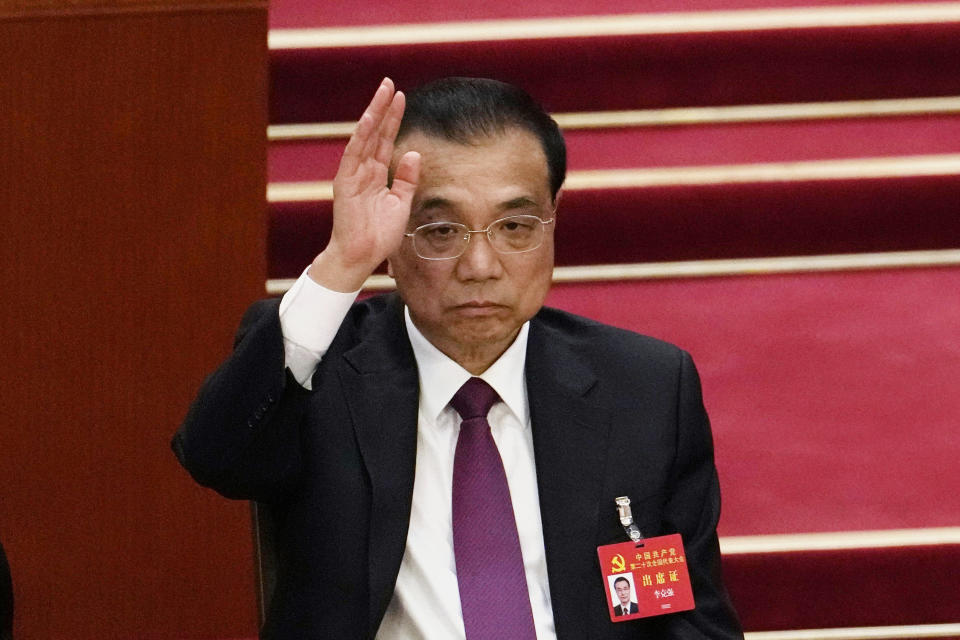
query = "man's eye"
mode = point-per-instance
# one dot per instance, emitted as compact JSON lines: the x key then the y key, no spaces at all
{"x":516,"y":226}
{"x":441,"y":231}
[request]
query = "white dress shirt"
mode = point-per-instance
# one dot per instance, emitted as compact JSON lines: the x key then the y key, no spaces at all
{"x":426,"y":600}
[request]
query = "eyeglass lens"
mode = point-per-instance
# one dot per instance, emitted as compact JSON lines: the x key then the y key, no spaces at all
{"x":513,"y":234}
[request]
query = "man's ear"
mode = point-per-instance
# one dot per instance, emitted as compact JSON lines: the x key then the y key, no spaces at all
{"x":390,"y":269}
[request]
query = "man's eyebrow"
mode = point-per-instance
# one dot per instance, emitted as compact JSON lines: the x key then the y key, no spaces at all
{"x":519,"y":203}
{"x":434,"y":203}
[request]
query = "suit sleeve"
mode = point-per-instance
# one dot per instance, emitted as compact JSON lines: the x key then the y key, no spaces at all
{"x":693,"y":509}
{"x":241,"y":434}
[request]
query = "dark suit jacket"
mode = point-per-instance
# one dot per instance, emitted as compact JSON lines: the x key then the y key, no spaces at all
{"x":613,"y":414}
{"x":633,"y":608}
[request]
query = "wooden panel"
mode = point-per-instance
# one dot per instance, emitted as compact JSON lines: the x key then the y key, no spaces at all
{"x":132,"y":183}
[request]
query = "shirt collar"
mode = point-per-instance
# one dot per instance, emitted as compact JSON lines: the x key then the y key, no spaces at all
{"x":441,"y":377}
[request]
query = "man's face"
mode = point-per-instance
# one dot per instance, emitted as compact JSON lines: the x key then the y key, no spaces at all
{"x":623,"y":592}
{"x":472,"y":307}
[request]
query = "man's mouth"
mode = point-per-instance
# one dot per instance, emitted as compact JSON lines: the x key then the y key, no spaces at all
{"x":478,"y":308}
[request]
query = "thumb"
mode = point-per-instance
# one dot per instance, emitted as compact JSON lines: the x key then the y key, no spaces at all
{"x":406,"y":177}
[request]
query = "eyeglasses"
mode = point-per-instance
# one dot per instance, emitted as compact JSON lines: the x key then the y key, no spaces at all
{"x":448,"y":240}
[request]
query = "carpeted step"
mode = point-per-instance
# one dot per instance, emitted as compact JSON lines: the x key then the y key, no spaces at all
{"x":850,"y":587}
{"x":832,"y":395}
{"x":312,"y":82}
{"x":707,"y":143}
{"x":702,"y":221}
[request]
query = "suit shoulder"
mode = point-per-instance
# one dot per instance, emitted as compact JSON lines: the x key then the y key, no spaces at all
{"x":603,"y":340}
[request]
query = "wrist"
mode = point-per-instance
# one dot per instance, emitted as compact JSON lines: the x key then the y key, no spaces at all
{"x":329,"y":270}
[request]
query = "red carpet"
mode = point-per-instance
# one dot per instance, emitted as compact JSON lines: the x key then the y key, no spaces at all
{"x":636,"y":72}
{"x":678,"y":146}
{"x":702,"y":221}
{"x":833,"y":396}
{"x":848,"y":588}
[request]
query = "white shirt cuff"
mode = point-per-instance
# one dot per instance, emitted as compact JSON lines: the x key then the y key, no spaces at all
{"x":310,"y":316}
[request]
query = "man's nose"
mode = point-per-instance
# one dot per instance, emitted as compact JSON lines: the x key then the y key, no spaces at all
{"x":480,"y":261}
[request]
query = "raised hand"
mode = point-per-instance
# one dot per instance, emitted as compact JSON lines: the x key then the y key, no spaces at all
{"x":368,"y":218}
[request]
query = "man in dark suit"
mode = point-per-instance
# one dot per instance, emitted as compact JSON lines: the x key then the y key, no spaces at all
{"x":622,"y":586}
{"x":442,"y":462}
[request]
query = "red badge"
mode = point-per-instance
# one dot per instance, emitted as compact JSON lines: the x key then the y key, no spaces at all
{"x":646,"y":578}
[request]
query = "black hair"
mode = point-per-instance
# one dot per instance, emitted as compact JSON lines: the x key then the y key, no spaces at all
{"x":465,"y":109}
{"x":618,"y":580}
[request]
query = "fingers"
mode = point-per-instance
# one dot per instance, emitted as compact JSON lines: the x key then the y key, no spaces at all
{"x":351,"y":158}
{"x":389,"y":128}
{"x":378,"y":109}
{"x":364,"y":141}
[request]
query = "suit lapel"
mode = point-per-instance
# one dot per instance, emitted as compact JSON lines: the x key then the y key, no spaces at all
{"x":570,"y":432}
{"x":380,"y":382}
{"x":570,"y":441}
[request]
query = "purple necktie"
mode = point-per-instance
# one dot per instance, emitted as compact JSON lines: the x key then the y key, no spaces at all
{"x":493,"y":585}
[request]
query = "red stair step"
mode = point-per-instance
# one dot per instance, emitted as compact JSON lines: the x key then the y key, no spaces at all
{"x":637,"y":71}
{"x":832,"y":395}
{"x":695,"y":222}
{"x":688,"y":145}
{"x":845,"y":587}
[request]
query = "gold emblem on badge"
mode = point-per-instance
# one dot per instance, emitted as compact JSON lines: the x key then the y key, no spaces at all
{"x":617,"y":564}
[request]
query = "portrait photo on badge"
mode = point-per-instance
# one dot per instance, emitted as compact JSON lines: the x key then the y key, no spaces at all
{"x":623,"y":595}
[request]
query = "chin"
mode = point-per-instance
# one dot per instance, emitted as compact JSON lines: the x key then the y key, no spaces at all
{"x":485,"y":331}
